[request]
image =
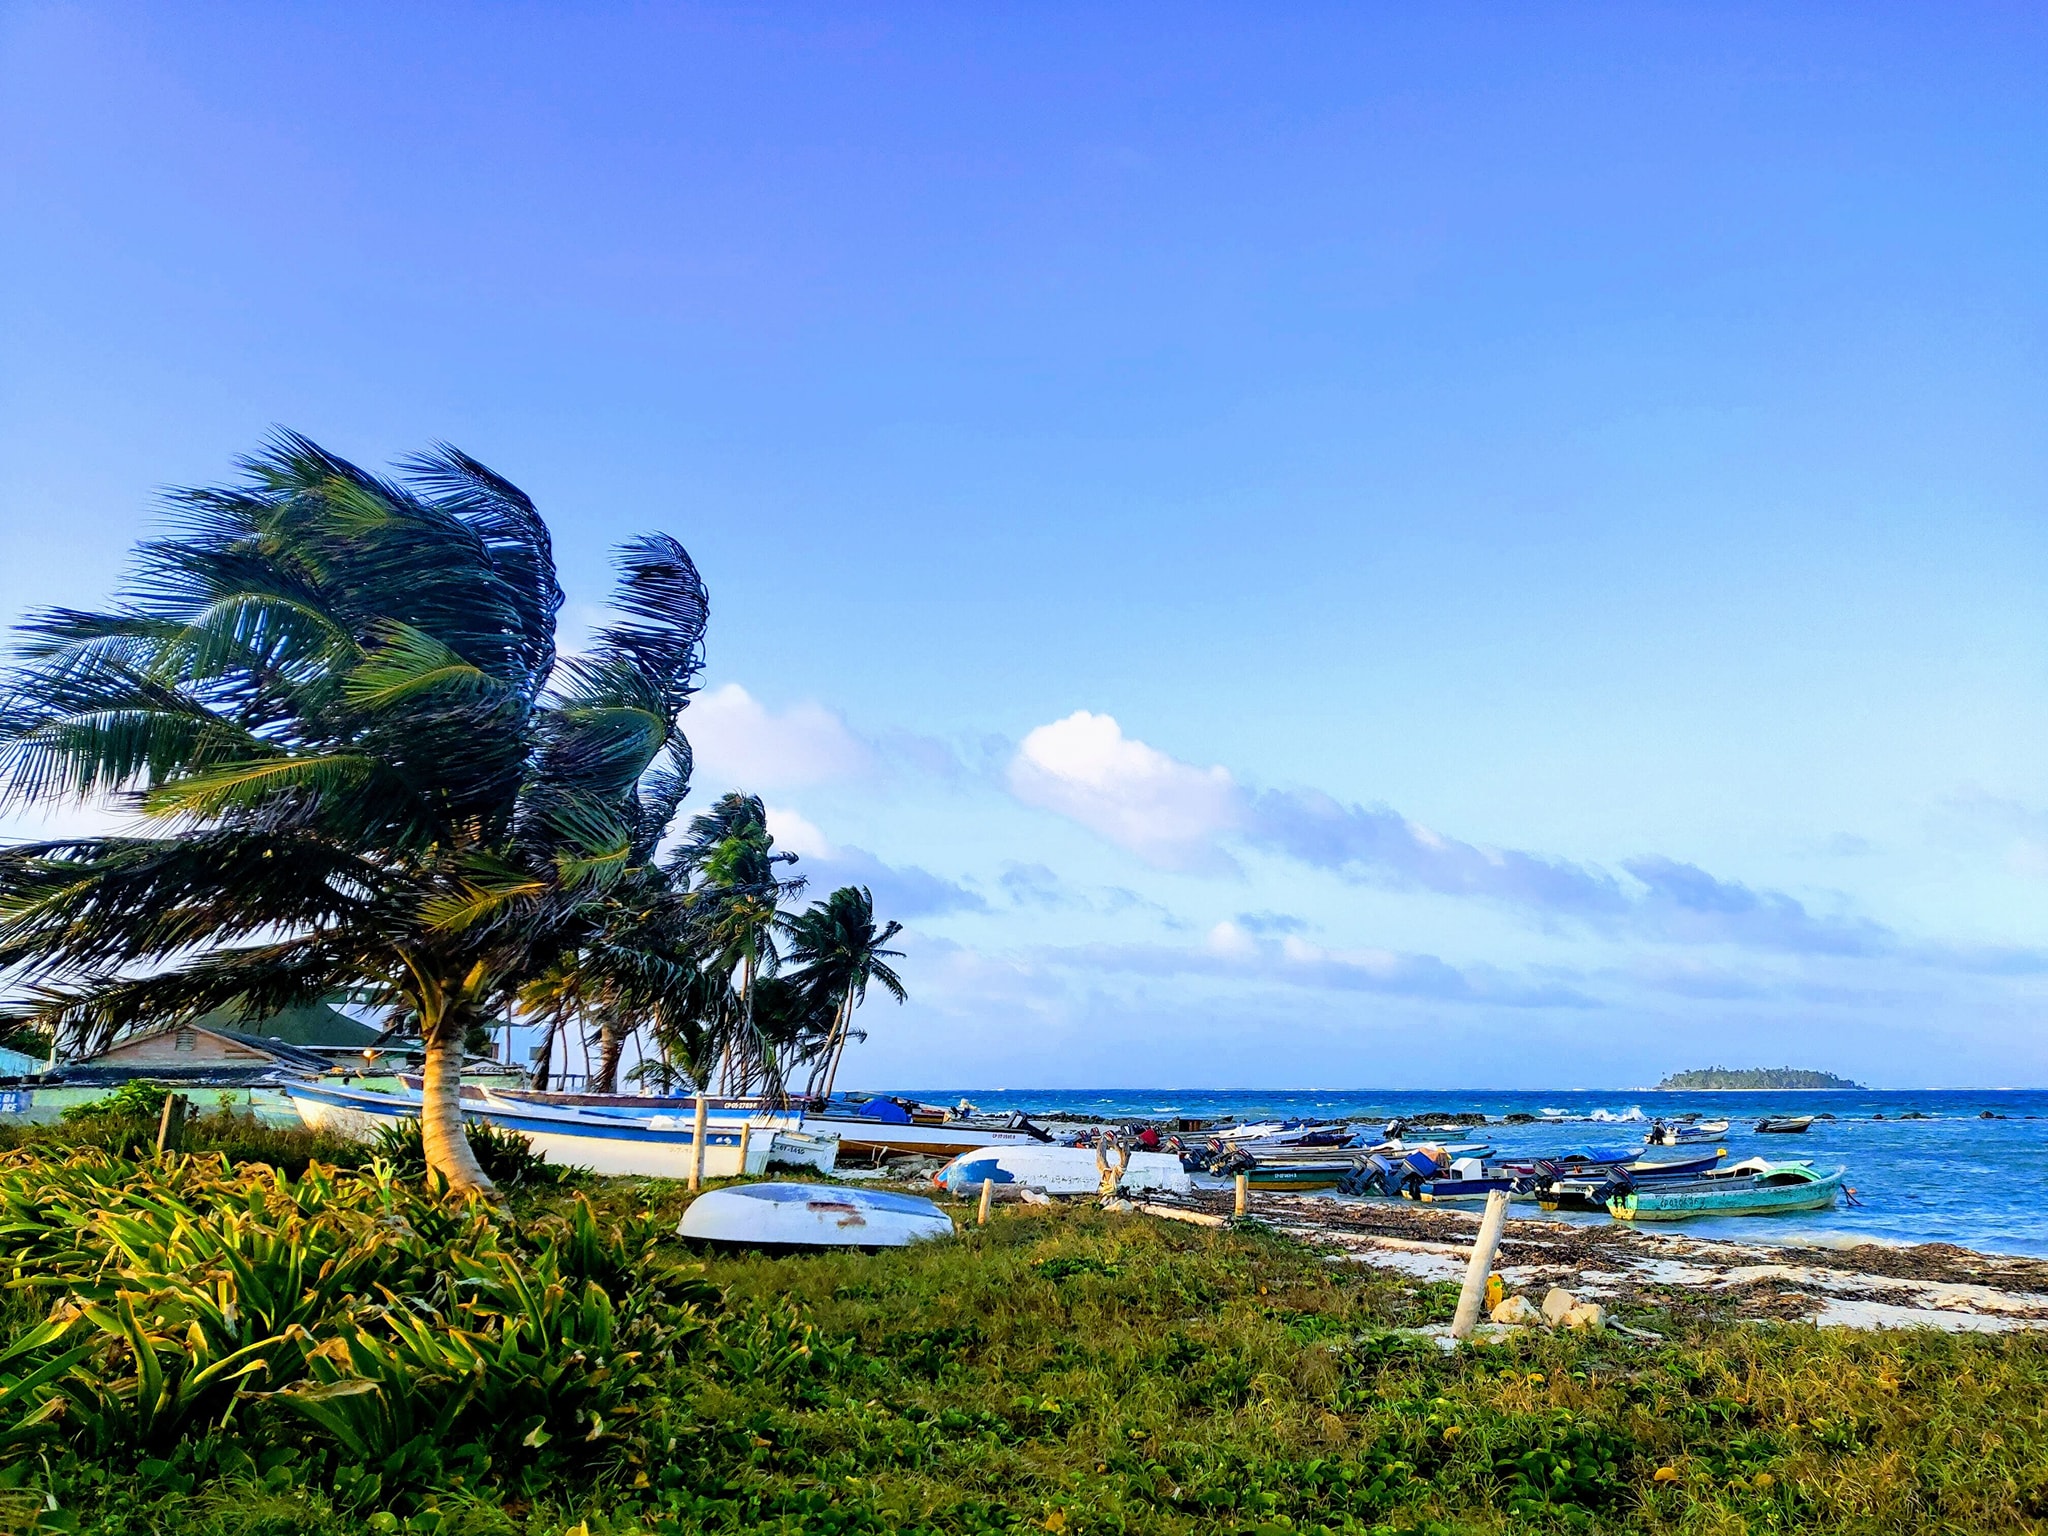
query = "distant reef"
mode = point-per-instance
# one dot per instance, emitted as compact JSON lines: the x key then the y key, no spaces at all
{"x":1755,"y":1077}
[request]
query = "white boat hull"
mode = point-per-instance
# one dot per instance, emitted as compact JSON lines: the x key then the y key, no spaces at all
{"x":619,"y":1147}
{"x":1059,"y":1171}
{"x":812,"y":1216}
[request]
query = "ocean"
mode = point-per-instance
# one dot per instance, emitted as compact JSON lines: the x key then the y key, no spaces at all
{"x":1953,"y":1177}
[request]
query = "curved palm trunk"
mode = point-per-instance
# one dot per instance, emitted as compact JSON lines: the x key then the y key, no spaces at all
{"x":845,"y":1030}
{"x":610,"y":1048}
{"x":442,"y":1135}
{"x":544,"y":1066}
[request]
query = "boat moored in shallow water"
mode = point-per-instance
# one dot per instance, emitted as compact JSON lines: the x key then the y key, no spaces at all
{"x":1756,"y":1187}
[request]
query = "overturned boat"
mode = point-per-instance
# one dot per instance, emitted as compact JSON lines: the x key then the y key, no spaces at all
{"x":795,"y":1217}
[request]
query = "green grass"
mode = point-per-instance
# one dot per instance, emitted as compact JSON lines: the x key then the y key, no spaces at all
{"x":1071,"y":1370}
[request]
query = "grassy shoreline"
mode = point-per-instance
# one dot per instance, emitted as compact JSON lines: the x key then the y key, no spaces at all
{"x":1064,"y":1369}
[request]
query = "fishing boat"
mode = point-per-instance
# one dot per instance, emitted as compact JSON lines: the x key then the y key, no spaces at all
{"x":1673,"y":1133}
{"x":1467,"y":1179}
{"x":602,"y":1145}
{"x":1587,"y":1187}
{"x":793,"y":1145}
{"x":1784,"y":1125}
{"x":792,"y":1217}
{"x":872,"y":1128}
{"x":1059,"y":1171}
{"x":1752,"y":1188}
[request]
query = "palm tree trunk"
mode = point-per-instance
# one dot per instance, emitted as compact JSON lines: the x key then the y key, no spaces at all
{"x":442,"y":1136}
{"x":845,"y":1029}
{"x":545,"y":1064}
{"x":611,"y":1046}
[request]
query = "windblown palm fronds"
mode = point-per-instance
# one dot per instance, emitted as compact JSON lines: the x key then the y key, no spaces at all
{"x":334,"y":702}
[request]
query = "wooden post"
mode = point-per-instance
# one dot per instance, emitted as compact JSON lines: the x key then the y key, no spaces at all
{"x":746,"y":1141}
{"x":1483,"y":1249}
{"x":170,"y":1130}
{"x":988,"y":1196}
{"x":1243,"y":1194}
{"x":697,"y":1146}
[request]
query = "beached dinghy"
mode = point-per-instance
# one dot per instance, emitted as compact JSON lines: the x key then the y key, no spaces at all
{"x":564,"y":1138}
{"x":1059,"y":1171}
{"x":799,"y":1216}
{"x":1752,"y":1188}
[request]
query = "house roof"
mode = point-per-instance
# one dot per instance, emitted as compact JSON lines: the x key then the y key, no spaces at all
{"x":307,"y":1024}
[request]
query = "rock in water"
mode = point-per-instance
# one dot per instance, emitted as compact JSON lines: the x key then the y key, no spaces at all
{"x":1558,"y":1305}
{"x":1517,"y":1312}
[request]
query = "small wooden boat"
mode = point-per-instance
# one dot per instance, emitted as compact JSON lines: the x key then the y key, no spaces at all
{"x":568,"y":1140}
{"x":1586,"y":1188}
{"x":792,"y":1217}
{"x":1670,"y":1133}
{"x":1059,"y":1171}
{"x":791,"y":1147}
{"x":874,"y":1128}
{"x":1752,"y":1188}
{"x":1784,"y":1125}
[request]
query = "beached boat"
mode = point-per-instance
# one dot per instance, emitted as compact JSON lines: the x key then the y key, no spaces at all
{"x":793,"y":1145}
{"x":806,"y":1216}
{"x":870,"y":1128}
{"x":567,"y":1139}
{"x":1059,"y":1171}
{"x":1784,"y":1125}
{"x":1752,"y":1188}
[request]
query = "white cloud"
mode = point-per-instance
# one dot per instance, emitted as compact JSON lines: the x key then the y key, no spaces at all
{"x":742,"y":744}
{"x":795,"y":833}
{"x":1167,"y":812}
{"x":1230,"y":941}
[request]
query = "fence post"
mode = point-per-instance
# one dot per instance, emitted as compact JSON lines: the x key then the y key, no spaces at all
{"x":746,"y":1141}
{"x":697,"y":1146}
{"x":1483,"y":1249}
{"x":988,"y":1195}
{"x":170,"y":1129}
{"x":1243,"y":1194}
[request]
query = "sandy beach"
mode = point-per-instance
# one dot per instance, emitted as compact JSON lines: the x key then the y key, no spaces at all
{"x":1867,"y":1285}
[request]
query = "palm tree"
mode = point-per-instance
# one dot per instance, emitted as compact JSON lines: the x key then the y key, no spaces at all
{"x":841,"y":951}
{"x":335,"y":702}
{"x":736,"y":900}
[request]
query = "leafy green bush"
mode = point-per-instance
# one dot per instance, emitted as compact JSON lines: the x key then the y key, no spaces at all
{"x":187,"y":1297}
{"x":130,"y":1101}
{"x":507,"y":1156}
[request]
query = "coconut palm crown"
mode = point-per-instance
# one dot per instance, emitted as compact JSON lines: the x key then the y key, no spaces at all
{"x":334,"y":702}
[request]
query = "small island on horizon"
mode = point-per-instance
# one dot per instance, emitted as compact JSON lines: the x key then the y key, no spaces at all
{"x":1754,"y":1078}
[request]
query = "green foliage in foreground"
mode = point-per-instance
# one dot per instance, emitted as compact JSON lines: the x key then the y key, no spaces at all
{"x":238,"y":1352}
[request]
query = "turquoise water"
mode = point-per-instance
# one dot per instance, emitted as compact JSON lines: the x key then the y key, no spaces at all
{"x":1952,"y":1178}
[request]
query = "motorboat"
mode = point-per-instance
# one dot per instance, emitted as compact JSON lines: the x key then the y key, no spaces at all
{"x":1784,"y":1125}
{"x":1755,"y":1187}
{"x":873,"y":1127}
{"x":796,"y":1217}
{"x":793,"y":1146}
{"x":1676,"y":1133}
{"x":565,"y":1138}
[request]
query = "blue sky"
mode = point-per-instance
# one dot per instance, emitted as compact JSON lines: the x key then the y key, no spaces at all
{"x":1335,"y":546}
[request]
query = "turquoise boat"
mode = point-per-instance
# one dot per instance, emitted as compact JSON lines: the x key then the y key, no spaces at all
{"x":1752,"y":1188}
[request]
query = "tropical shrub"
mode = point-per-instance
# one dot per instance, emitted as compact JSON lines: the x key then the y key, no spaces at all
{"x":185,"y":1296}
{"x":506,"y":1156}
